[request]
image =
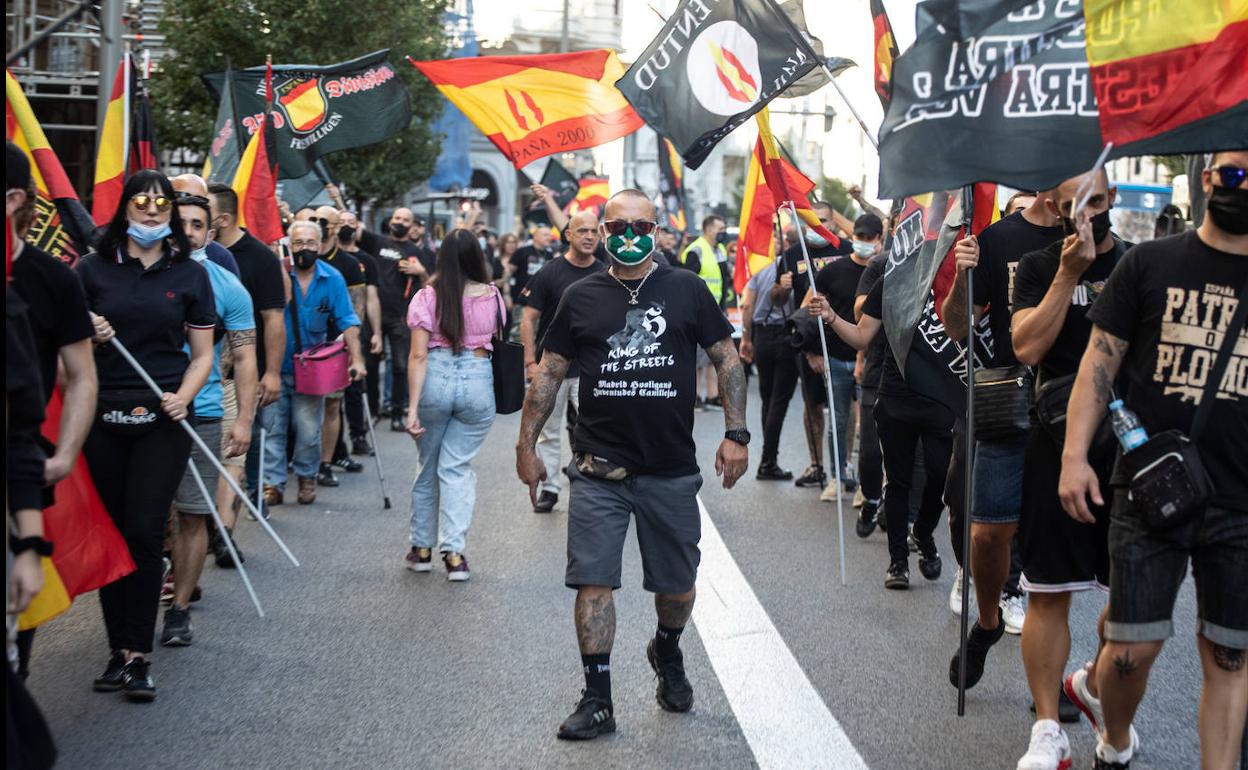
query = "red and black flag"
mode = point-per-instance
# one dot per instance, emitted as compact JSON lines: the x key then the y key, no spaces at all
{"x":1030,"y":99}
{"x":672,"y":186}
{"x":143,"y":150}
{"x":255,"y":183}
{"x":711,"y":67}
{"x":885,"y":52}
{"x":561,"y":183}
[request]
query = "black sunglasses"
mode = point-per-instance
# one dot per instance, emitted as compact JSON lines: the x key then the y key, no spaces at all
{"x":1231,"y":176}
{"x":620,"y":226}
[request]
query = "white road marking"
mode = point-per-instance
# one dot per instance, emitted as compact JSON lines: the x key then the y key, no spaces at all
{"x":781,"y":715}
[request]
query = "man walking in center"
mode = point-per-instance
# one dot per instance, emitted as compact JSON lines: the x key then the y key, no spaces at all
{"x":633,"y":331}
{"x":541,"y":298}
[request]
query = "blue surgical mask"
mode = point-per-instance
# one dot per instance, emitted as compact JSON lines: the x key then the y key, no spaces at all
{"x":815,"y":240}
{"x":865,"y":248}
{"x":200,"y":254}
{"x":148,"y":236}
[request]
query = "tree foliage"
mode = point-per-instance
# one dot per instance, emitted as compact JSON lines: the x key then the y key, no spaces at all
{"x":205,"y":35}
{"x":836,"y":193}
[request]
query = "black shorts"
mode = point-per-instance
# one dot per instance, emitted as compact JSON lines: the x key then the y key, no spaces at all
{"x":669,"y":526}
{"x":1147,"y":567}
{"x":814,"y":391}
{"x":1058,"y":553}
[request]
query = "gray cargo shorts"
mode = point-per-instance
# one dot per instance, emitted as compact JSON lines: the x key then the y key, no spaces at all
{"x":669,"y":526}
{"x":189,"y":498}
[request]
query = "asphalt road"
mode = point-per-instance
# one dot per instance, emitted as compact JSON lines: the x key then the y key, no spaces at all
{"x":361,"y":663}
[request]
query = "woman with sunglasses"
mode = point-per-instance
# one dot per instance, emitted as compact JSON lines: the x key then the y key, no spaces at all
{"x":144,"y":289}
{"x":453,"y":322}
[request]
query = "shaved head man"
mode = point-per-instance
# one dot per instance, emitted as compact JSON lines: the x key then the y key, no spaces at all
{"x":194,"y":186}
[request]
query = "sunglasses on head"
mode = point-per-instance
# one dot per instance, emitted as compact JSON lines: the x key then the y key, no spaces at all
{"x":143,"y":200}
{"x":1231,"y":176}
{"x":620,"y":226}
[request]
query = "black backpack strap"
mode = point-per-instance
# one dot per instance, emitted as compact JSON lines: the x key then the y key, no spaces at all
{"x":1210,"y":392}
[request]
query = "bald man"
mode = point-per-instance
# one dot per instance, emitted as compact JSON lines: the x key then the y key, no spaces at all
{"x":194,"y":185}
{"x":541,"y":297}
{"x":406,"y":265}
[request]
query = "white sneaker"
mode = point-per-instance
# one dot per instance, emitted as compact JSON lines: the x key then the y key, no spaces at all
{"x":829,"y":493}
{"x":1114,"y":758}
{"x":1049,"y":748}
{"x":955,"y":594}
{"x":1076,"y":687}
{"x":1014,"y":613}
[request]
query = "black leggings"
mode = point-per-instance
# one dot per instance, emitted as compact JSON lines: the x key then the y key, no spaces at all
{"x":901,"y":422}
{"x":777,"y":379}
{"x":870,"y":454}
{"x":136,"y":477}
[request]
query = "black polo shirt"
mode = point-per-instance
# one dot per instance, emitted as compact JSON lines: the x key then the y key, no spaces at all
{"x":150,"y":310}
{"x":57,"y":309}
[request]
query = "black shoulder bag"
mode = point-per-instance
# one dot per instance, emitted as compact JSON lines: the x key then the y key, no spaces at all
{"x":1002,"y":402}
{"x":507,"y":360}
{"x":1168,"y":480}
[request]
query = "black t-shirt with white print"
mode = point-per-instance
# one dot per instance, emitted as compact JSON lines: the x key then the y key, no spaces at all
{"x":1172,"y":299}
{"x":1001,"y":246}
{"x":1035,"y":274}
{"x":638,"y":365}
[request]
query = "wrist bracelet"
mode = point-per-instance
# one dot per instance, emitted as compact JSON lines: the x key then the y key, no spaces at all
{"x":36,"y":544}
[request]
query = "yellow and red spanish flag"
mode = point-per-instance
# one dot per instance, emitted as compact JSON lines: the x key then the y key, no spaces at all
{"x":787,"y":183}
{"x":62,"y":227}
{"x":885,"y":52}
{"x":534,"y":106}
{"x":592,"y":196}
{"x":111,"y":155}
{"x":255,"y":182}
{"x":756,"y":243}
{"x":1158,"y":66}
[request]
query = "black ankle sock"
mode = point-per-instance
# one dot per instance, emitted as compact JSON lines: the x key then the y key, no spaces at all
{"x":598,"y":674}
{"x":667,"y":641}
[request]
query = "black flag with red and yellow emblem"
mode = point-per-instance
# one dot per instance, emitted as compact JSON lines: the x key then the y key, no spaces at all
{"x":712,"y":67}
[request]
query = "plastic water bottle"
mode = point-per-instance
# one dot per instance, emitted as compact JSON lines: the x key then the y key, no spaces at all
{"x":1127,"y":427}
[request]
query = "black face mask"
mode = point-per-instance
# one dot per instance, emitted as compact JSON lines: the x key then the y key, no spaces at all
{"x":305,"y":258}
{"x":1100,"y":226}
{"x":346,"y":234}
{"x":399,"y":231}
{"x":722,"y":239}
{"x":1228,"y":208}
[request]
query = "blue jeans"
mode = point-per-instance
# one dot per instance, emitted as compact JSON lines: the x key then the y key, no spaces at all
{"x":456,"y":410}
{"x":844,"y":390}
{"x":306,"y":412}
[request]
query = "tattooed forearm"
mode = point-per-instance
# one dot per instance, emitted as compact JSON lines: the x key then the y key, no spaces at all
{"x":1124,"y":666}
{"x":539,"y":402}
{"x":242,"y":338}
{"x":732,"y":387}
{"x":1228,"y":658}
{"x":1103,"y":384}
{"x":595,"y":620}
{"x":674,"y":611}
{"x":1108,"y":344}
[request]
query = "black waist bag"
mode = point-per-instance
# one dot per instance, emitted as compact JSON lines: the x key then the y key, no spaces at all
{"x":1167,"y":480}
{"x":1052,"y":401}
{"x":128,"y":412}
{"x":1002,"y":402}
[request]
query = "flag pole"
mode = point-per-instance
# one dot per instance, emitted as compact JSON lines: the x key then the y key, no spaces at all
{"x":968,"y":211}
{"x":203,"y":447}
{"x":225,"y":534}
{"x":372,"y":437}
{"x":861,"y":123}
{"x":827,"y":384}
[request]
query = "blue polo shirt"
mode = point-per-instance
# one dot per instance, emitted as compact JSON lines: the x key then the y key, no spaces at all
{"x":326,"y":298}
{"x":234,"y":311}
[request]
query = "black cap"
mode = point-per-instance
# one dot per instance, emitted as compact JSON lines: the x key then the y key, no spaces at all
{"x":868,"y":225}
{"x":16,"y":167}
{"x":418,"y":222}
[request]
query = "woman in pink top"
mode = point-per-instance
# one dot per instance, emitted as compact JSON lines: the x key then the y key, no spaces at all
{"x":451,"y":403}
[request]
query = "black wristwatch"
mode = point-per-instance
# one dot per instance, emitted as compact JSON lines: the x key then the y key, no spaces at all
{"x":740,"y":435}
{"x":36,"y":544}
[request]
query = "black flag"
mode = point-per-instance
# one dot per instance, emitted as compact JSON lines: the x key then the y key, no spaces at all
{"x":712,"y":67}
{"x":561,"y":183}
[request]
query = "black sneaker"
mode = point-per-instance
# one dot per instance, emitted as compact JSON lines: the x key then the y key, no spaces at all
{"x":546,"y":502}
{"x":360,"y":446}
{"x":110,"y":680}
{"x":772,"y":472}
{"x":714,"y":404}
{"x":136,"y":681}
{"x":812,"y":477}
{"x":978,"y":642}
{"x":674,"y":692}
{"x":1067,"y":712}
{"x":396,"y":424}
{"x":347,"y":465}
{"x":866,"y":519}
{"x":325,"y":476}
{"x":593,"y":717}
{"x":222,"y":554}
{"x":177,"y":631}
{"x":898,"y":576}
{"x":929,"y":558}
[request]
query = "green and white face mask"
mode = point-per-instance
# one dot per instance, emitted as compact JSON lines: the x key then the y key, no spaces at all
{"x":630,"y":249}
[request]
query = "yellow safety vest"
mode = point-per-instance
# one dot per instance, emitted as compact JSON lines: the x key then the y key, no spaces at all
{"x":708,"y":270}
